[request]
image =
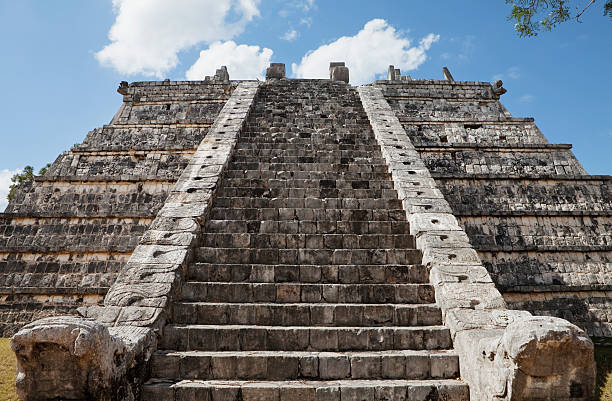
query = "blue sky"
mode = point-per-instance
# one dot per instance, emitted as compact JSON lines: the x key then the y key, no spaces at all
{"x":62,"y":60}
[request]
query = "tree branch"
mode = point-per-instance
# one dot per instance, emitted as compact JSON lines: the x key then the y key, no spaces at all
{"x":582,"y":12}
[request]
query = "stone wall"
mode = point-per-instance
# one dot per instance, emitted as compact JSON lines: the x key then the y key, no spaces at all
{"x":65,"y":236}
{"x":541,"y":225}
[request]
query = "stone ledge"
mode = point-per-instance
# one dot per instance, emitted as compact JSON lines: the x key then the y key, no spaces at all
{"x":500,"y":120}
{"x":458,"y":147}
{"x":50,"y":291}
{"x":542,"y":177}
{"x":543,"y":288}
{"x":102,"y":178}
{"x":72,"y":249}
{"x":115,"y":150}
{"x":534,"y":213}
{"x":544,"y":248}
{"x":504,"y":355}
{"x":72,"y":216}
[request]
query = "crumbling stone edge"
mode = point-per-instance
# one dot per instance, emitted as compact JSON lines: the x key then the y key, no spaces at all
{"x":503,"y":354}
{"x":103,"y":355}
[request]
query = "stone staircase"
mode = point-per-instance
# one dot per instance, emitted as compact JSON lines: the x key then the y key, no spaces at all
{"x":307,"y":284}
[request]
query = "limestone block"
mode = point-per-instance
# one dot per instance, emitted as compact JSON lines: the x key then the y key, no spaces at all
{"x":458,"y":273}
{"x":328,"y":392}
{"x":532,"y":358}
{"x":411,"y":176}
{"x":190,"y":185}
{"x":412,"y":205}
{"x":437,"y":256}
{"x":260,"y":392}
{"x":140,"y":294}
{"x":333,"y":366}
{"x":212,"y":147}
{"x":174,"y":224}
{"x":142,"y":316}
{"x":458,"y":320}
{"x":443,"y":239}
{"x":168,"y":238}
{"x":338,"y":72}
{"x":468,"y":295}
{"x":406,"y":192}
{"x":159,"y":254}
{"x":424,"y":222}
{"x":105,"y":315}
{"x":83,"y":359}
{"x":276,"y":70}
{"x":195,"y":209}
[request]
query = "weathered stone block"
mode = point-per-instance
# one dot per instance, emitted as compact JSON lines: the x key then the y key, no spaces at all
{"x":333,"y":366}
{"x":276,"y":70}
{"x":338,"y":72}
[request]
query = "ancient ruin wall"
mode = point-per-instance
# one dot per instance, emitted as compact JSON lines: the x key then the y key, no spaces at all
{"x":65,"y":236}
{"x":540,"y":223}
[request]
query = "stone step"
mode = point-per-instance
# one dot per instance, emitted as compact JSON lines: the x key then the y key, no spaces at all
{"x":308,"y":241}
{"x":351,"y":120}
{"x":312,"y":256}
{"x":337,"y":390}
{"x":307,"y":175}
{"x":313,"y":144}
{"x":306,"y":183}
{"x":297,"y":111}
{"x":336,"y":139}
{"x":312,"y":203}
{"x":321,"y":193}
{"x":304,"y":127}
{"x":309,"y":214}
{"x":344,"y":274}
{"x":298,"y":292}
{"x":314,"y":150}
{"x":310,"y":161}
{"x":315,"y":314}
{"x":275,"y":365}
{"x":355,"y":165}
{"x":307,"y":227}
{"x":344,"y":129}
{"x":303,"y":338}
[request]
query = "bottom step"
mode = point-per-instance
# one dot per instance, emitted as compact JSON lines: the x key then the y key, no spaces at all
{"x":340,"y":390}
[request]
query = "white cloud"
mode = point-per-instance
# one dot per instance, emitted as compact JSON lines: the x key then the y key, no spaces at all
{"x":511,"y":73}
{"x":306,"y":5}
{"x":368,"y":53}
{"x":306,"y":21}
{"x":292,"y":6}
{"x":290,"y":35}
{"x":514,"y":72}
{"x":148,"y":35}
{"x":463,"y":48}
{"x":242,"y":61}
{"x":5,"y":183}
{"x":526,"y":98}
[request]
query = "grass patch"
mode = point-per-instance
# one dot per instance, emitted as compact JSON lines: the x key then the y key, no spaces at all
{"x":603,"y":358}
{"x":8,"y":371}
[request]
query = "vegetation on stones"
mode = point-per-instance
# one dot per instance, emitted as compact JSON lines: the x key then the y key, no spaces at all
{"x":533,"y":16}
{"x":8,"y":371}
{"x":26,"y":175}
{"x":603,"y":358}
